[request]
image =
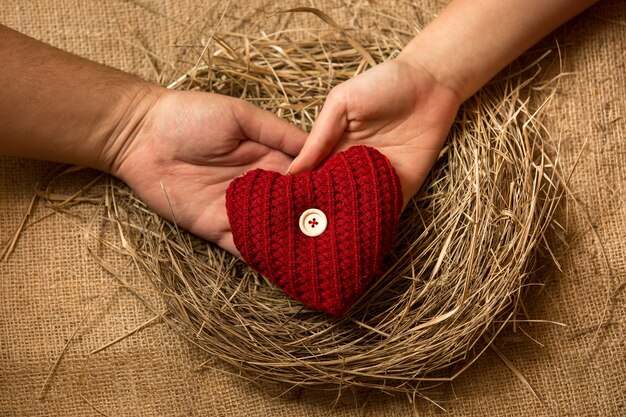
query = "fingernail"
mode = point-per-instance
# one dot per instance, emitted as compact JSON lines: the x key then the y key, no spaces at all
{"x":289,"y":167}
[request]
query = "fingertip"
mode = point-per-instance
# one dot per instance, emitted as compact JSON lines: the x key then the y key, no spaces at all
{"x":268,"y":129}
{"x":298,"y":166}
{"x":301,"y":164}
{"x":297,"y":137}
{"x":289,"y":168}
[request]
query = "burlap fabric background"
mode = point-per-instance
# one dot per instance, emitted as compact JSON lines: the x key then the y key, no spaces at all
{"x":50,"y":281}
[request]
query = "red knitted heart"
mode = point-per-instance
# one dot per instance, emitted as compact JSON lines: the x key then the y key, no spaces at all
{"x":359,"y":193}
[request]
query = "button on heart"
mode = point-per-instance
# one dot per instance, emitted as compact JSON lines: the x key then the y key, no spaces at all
{"x":313,"y":222}
{"x":320,"y":236}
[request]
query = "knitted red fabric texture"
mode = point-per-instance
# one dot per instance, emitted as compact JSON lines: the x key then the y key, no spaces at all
{"x":358,"y":191}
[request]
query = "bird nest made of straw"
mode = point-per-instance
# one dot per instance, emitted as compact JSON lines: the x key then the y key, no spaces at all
{"x":466,"y":248}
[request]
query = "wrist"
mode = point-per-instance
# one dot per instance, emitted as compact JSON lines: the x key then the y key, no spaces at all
{"x":433,"y":90}
{"x":424,"y":60}
{"x":124,"y":123}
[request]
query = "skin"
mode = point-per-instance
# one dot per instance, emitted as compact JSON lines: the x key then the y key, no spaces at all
{"x":180,"y":150}
{"x":177,"y":150}
{"x":406,"y":107}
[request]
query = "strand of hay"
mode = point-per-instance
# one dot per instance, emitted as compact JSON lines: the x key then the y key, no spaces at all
{"x":467,"y":244}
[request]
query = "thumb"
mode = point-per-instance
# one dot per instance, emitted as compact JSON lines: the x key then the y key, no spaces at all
{"x":268,"y":129}
{"x":327,"y":131}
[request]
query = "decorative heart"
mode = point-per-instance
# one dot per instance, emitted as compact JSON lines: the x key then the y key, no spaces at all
{"x":321,"y":235}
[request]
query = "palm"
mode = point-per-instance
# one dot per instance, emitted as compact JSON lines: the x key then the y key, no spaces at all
{"x":402,"y":112}
{"x":192,"y":146}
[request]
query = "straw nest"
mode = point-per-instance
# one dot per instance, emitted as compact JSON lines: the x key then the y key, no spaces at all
{"x":466,"y":249}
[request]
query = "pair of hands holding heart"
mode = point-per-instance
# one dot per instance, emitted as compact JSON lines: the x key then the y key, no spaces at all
{"x":192,"y":145}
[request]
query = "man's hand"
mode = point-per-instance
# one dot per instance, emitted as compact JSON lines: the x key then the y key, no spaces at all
{"x":177,"y":150}
{"x":395,"y":107}
{"x":188,"y":149}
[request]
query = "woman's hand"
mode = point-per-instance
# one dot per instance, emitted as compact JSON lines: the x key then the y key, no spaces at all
{"x":396,"y":107}
{"x":405,"y":107}
{"x":190,"y":146}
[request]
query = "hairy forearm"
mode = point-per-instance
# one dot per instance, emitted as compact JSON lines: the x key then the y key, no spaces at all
{"x":59,"y":107}
{"x":471,"y":40}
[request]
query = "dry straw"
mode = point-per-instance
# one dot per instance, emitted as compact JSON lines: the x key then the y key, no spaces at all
{"x":467,"y":244}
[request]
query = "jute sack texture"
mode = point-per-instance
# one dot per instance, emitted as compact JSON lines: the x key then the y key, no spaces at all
{"x":51,"y":281}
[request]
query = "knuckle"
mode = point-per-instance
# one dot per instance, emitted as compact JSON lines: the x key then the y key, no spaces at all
{"x":335,"y":96}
